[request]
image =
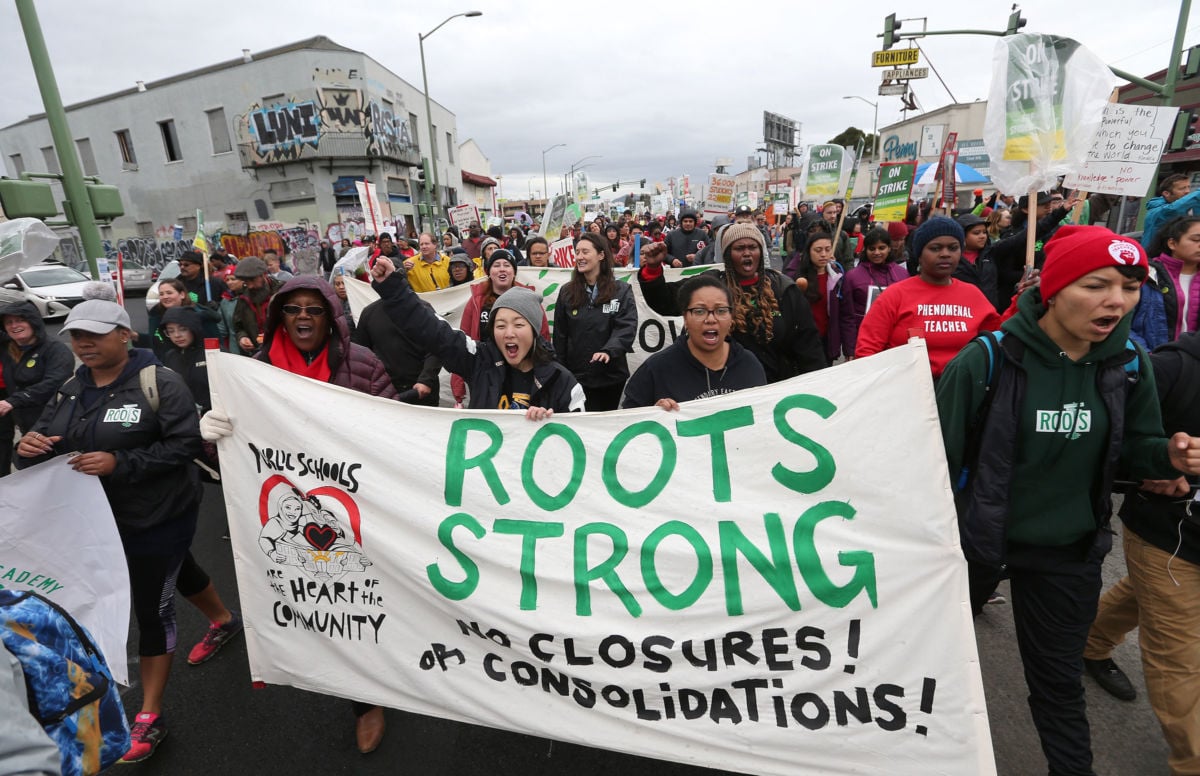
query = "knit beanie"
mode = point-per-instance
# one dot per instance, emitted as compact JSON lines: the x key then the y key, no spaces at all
{"x":526,"y":303}
{"x":488,"y":241}
{"x":938,"y":226}
{"x":897,"y":230}
{"x":1074,"y":251}
{"x":734,"y":232}
{"x":499,"y":253}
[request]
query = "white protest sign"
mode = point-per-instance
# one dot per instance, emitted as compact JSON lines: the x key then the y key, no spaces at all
{"x":1124,"y":156}
{"x":752,"y":583}
{"x":554,"y":217}
{"x":562,"y":253}
{"x":462,"y":216}
{"x":372,"y":208}
{"x":58,"y":538}
{"x":719,"y":199}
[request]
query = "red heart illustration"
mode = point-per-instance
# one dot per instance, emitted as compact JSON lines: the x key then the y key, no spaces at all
{"x":337,"y":494}
{"x":320,"y":536}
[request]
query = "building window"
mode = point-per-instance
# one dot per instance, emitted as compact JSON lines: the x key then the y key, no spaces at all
{"x":415,"y":131}
{"x":125,"y":145}
{"x":218,"y":130}
{"x":51,"y":160}
{"x":449,"y":148}
{"x":433,"y":142}
{"x":86,"y":157}
{"x":16,"y":165}
{"x":189,"y":225}
{"x":145,"y":228}
{"x":170,"y":140}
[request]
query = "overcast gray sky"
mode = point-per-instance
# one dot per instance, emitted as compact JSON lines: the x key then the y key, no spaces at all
{"x":656,"y":88}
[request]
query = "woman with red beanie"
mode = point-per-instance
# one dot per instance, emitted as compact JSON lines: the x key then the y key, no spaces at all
{"x":1036,"y":425}
{"x":945,"y":312}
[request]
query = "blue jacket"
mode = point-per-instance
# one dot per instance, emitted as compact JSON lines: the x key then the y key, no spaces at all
{"x":1154,"y":317}
{"x":1159,"y":212}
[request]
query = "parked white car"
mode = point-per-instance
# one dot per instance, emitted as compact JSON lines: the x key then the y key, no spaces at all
{"x":52,"y":288}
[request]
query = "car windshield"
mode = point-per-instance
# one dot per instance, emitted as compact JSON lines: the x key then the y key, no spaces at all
{"x":54,"y":276}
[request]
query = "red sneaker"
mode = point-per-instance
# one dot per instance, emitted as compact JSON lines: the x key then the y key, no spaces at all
{"x":214,"y":639}
{"x":147,"y":733}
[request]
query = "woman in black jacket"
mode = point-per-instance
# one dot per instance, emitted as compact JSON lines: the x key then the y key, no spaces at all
{"x":595,"y":321}
{"x":135,"y":426}
{"x":703,"y":362}
{"x":515,"y":371}
{"x":33,"y":368}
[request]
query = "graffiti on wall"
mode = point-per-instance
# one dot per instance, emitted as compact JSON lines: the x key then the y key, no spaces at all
{"x":387,"y":134}
{"x":147,"y":251}
{"x":282,"y":131}
{"x":324,"y":126}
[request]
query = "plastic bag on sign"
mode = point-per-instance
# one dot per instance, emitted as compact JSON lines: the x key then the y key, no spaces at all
{"x":354,"y":263}
{"x":24,"y":242}
{"x":1045,"y":104}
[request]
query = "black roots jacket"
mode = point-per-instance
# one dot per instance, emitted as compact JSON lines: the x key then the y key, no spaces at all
{"x":154,"y":480}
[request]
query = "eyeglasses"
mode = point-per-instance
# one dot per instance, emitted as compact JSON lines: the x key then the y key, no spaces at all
{"x":295,"y":309}
{"x":700,"y":313}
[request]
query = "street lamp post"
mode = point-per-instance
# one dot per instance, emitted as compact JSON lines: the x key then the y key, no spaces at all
{"x":874,"y":124}
{"x":429,"y":110}
{"x":570,"y":179}
{"x":545,"y":185}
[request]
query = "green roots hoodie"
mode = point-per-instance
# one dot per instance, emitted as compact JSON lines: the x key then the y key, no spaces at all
{"x":1063,"y":428}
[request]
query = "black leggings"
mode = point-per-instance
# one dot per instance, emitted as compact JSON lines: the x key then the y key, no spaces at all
{"x":152,"y":588}
{"x":192,"y":578}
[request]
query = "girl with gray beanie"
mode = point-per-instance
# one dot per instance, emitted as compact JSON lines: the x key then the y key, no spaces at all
{"x":516,"y":370}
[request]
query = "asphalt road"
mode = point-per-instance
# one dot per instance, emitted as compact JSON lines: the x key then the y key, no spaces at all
{"x":220,"y":724}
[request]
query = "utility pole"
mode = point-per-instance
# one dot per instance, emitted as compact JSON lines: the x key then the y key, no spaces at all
{"x":78,"y":207}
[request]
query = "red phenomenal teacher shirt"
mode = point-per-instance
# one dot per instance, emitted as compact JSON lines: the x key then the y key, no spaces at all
{"x":947,"y":317}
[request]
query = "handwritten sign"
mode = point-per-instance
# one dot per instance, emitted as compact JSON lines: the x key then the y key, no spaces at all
{"x":719,"y":200}
{"x":1128,"y":145}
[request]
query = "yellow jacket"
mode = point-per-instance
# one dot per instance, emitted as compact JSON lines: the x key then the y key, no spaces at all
{"x":429,"y":276}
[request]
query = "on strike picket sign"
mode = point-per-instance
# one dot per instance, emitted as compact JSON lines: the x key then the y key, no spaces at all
{"x":755,"y":582}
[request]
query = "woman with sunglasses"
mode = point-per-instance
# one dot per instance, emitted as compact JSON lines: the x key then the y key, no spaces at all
{"x":307,"y":336}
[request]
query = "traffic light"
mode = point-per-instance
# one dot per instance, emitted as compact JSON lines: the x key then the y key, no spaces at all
{"x":596,"y":192}
{"x":890,"y":25}
{"x":1185,"y":127}
{"x":106,"y":201}
{"x":642,"y":184}
{"x":27,"y":199}
{"x":1015,"y":22}
{"x":1191,"y":67}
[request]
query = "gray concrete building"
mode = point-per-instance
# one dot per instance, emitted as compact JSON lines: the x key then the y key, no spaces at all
{"x":272,"y":142}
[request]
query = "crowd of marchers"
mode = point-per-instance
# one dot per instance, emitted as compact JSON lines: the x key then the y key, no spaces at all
{"x":1058,"y":381}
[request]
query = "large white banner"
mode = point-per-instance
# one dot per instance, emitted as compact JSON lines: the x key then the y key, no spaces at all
{"x":768,"y":581}
{"x":58,"y":538}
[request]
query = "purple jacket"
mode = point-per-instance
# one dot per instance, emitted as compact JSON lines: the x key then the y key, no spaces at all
{"x":352,"y":366}
{"x":855,"y":286}
{"x":1174,"y":267}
